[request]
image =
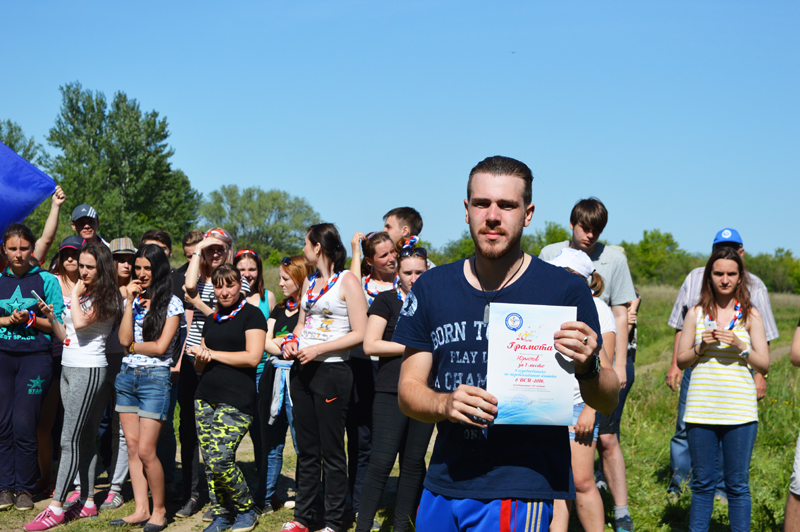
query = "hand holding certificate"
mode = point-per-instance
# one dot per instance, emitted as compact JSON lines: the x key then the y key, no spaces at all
{"x":532,"y":381}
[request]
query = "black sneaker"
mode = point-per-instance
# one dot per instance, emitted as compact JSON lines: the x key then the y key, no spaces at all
{"x":623,"y":524}
{"x":6,"y":500}
{"x":189,"y":509}
{"x":23,"y":501}
{"x":209,"y":515}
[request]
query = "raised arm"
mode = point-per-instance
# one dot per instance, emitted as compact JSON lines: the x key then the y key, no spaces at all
{"x":50,"y":226}
{"x":80,"y":319}
{"x":355,"y":246}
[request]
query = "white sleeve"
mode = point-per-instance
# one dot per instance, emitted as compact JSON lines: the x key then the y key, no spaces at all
{"x":606,"y":317}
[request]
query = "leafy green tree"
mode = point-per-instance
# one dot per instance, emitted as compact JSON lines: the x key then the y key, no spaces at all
{"x":454,"y":250}
{"x":551,"y":234}
{"x":117,"y":159}
{"x":779,"y":271}
{"x":11,"y":135}
{"x":271,"y":222}
{"x":657,"y":259}
{"x":464,"y":247}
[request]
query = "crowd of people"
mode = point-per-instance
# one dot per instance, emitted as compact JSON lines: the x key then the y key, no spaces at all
{"x":106,"y":340}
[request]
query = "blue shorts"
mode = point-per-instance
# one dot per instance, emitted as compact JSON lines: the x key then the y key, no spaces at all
{"x":576,"y":411}
{"x":144,"y":391}
{"x":444,"y":514}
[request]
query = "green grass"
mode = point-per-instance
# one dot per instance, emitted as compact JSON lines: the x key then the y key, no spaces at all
{"x":647,"y":426}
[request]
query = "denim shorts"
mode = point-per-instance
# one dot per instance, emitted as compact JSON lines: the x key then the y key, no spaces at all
{"x":576,"y":411}
{"x":143,"y":390}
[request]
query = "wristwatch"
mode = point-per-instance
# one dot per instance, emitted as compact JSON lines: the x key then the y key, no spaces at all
{"x":744,"y":354}
{"x":594,"y":369}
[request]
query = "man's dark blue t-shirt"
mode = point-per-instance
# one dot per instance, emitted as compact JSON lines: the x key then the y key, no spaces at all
{"x":443,"y":314}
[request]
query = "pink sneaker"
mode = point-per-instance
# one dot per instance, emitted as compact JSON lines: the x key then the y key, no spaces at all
{"x":80,"y":511}
{"x":293,"y":526}
{"x":72,"y":498}
{"x":46,"y":520}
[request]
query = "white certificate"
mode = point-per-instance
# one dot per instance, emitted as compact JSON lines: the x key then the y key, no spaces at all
{"x":532,"y":381}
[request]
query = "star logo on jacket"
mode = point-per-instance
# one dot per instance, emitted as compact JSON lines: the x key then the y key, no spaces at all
{"x":17,"y":302}
{"x":35,"y":387}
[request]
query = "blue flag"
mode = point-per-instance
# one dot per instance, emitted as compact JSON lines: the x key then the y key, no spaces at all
{"x":22,"y":187}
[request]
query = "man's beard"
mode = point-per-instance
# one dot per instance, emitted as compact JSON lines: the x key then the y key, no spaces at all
{"x":496,"y":250}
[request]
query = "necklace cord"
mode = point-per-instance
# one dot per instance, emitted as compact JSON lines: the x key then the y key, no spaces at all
{"x":483,"y":290}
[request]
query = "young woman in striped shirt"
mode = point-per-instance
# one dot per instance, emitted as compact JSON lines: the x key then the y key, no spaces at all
{"x":729,"y":343}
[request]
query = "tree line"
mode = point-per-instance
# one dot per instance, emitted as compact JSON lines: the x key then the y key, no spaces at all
{"x":116,"y":158}
{"x":655,"y":259}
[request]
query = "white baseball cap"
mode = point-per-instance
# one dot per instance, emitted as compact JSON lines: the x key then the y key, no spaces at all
{"x":576,"y":260}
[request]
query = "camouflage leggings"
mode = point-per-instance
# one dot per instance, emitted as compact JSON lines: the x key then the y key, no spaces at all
{"x":220,"y":429}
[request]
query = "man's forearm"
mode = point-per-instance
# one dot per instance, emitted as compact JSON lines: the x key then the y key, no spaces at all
{"x":601,"y":393}
{"x":675,"y":347}
{"x":420,"y":402}
{"x":621,"y":347}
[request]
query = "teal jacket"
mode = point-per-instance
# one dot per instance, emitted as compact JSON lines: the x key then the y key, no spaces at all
{"x":15,"y":294}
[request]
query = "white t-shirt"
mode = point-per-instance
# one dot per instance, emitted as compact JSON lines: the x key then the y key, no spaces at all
{"x":607,"y":324}
{"x":85,"y":348}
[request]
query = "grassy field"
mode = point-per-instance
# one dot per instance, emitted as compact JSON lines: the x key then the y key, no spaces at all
{"x":648,"y":425}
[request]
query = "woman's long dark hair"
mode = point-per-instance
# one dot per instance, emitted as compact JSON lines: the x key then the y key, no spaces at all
{"x":105,"y":295}
{"x":160,"y":291}
{"x":327,"y":236}
{"x":708,"y":301}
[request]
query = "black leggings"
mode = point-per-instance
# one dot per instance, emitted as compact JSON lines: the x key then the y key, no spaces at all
{"x":393,"y":432}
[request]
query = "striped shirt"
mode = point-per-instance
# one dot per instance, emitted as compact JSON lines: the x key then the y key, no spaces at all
{"x":689,"y":296}
{"x":722,"y":390}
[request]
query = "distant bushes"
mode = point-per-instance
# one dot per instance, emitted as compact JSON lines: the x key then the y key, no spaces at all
{"x":655,"y":259}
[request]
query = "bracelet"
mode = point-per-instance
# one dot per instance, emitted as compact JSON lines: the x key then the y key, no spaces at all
{"x":131,"y":349}
{"x":315,"y":351}
{"x":695,"y":351}
{"x":289,"y":339}
{"x":195,"y":253}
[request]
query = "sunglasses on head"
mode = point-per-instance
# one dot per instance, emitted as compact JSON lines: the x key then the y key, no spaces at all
{"x":286,"y":261}
{"x":419,"y":252}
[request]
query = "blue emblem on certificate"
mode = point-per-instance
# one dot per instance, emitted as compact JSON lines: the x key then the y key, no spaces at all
{"x":514,"y":321}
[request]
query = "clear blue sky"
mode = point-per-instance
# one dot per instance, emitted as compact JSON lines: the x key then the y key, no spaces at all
{"x":680,"y":116}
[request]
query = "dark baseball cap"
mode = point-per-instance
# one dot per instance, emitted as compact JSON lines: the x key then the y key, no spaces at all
{"x":82,"y":211}
{"x":74,"y":242}
{"x":728,"y":235}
